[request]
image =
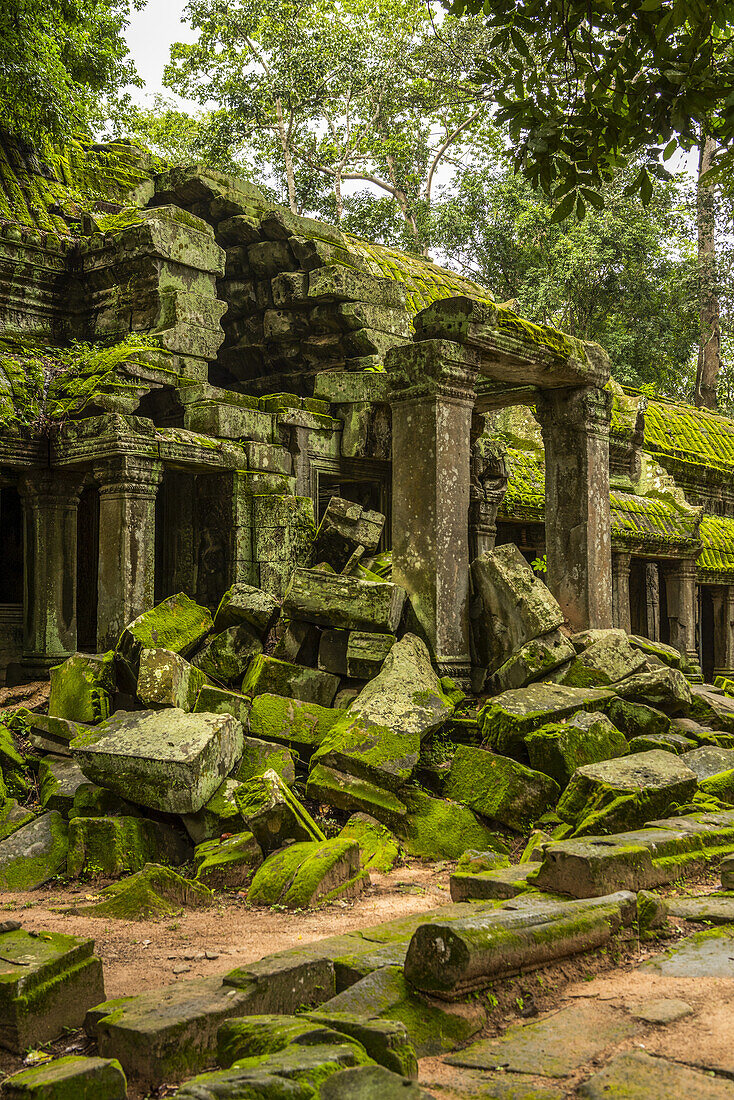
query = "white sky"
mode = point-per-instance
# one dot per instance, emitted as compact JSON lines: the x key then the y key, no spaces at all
{"x":149,"y":36}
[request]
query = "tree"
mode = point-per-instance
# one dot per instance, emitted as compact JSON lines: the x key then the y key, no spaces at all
{"x":583,"y":85}
{"x":58,"y":59}
{"x":709,"y":347}
{"x":626,"y":276}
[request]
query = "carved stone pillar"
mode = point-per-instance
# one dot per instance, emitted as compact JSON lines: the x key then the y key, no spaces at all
{"x":432,"y":397}
{"x":652,"y":600}
{"x":488,"y":484}
{"x":621,"y":611}
{"x":723,"y":600}
{"x":680,"y":589}
{"x":50,"y":500}
{"x":575,"y":426}
{"x":128,"y":487}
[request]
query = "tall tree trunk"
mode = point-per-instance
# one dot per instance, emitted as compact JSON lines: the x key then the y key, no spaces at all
{"x":290,"y":174}
{"x":709,"y":348}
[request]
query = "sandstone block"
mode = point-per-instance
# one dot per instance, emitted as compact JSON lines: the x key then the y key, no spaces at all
{"x":225,"y":656}
{"x":665,"y":689}
{"x":267,"y":675}
{"x":81,"y":688}
{"x":244,"y":604}
{"x":34,"y":853}
{"x":378,"y":848}
{"x":72,"y":1076}
{"x":223,"y":864}
{"x":273,"y":813}
{"x":366,"y":653}
{"x":532,"y":661}
{"x":583,"y":738}
{"x":177,"y":624}
{"x":166,"y":680}
{"x":499,"y":788}
{"x":345,"y":526}
{"x":344,"y":602}
{"x":302,"y":876}
{"x":116,"y":846}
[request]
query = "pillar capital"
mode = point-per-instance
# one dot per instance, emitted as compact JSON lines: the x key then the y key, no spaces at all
{"x":51,"y":488}
{"x":129,"y":476}
{"x":432,"y":369}
{"x":587,"y":408}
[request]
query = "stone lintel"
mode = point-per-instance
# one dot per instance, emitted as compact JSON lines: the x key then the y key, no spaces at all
{"x":431,"y":369}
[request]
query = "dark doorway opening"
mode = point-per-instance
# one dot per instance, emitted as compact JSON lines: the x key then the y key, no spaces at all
{"x":11,"y":547}
{"x":87,"y":566}
{"x":707,"y":638}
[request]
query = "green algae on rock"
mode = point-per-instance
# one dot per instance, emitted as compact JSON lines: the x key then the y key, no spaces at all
{"x":273,"y":813}
{"x":304,"y":875}
{"x":499,"y":788}
{"x":437,"y":829}
{"x":177,"y":624}
{"x":116,"y":846}
{"x":222,"y":864}
{"x":267,"y":675}
{"x":34,"y":853}
{"x":69,"y":1078}
{"x":378,"y":848}
{"x":149,"y":894}
{"x":81,"y":688}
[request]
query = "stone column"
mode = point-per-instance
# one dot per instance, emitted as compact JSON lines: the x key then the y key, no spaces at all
{"x":680,"y":589}
{"x":652,"y":600}
{"x":723,"y":600}
{"x":575,"y":426}
{"x":621,"y":612}
{"x":127,"y":491}
{"x":50,"y":501}
{"x":432,"y":397}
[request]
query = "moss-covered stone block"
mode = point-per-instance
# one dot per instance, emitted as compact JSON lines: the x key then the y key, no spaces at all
{"x":165,"y":760}
{"x":243,"y":604}
{"x":584,"y":738}
{"x":668,"y":742}
{"x":273,"y":813}
{"x":499,"y":883}
{"x":225,"y":656}
{"x":177,"y":624}
{"x":152,"y":893}
{"x":499,"y":788}
{"x":292,"y":722}
{"x":82,"y":687}
{"x":344,"y":602}
{"x":267,"y":675}
{"x":217,"y":700}
{"x":219,"y":815}
{"x":302,"y":876}
{"x":664,"y":689}
{"x":13,"y":816}
{"x":366,"y":653}
{"x":59,"y":779}
{"x":91,"y":800}
{"x":507,"y":719}
{"x":69,"y":1078}
{"x":10,"y":757}
{"x":473,"y":862}
{"x":50,"y":734}
{"x":636,"y":719}
{"x":378,"y":848}
{"x":116,"y":846}
{"x":719,"y":786}
{"x":165,"y":679}
{"x":437,"y":829}
{"x":711,"y":708}
{"x":345,"y":526}
{"x":34,"y":853}
{"x":261,"y":756}
{"x":227,"y":863}
{"x":349,"y":792}
{"x":532,"y":661}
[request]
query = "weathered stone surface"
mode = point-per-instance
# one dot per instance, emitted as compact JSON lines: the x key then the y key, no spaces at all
{"x":219,"y":815}
{"x":34,"y":853}
{"x":638,"y":1076}
{"x":49,"y":734}
{"x":225,"y":656}
{"x":345,"y":602}
{"x":151,"y":893}
{"x":169,"y":760}
{"x":69,"y":1078}
{"x":378,"y":848}
{"x":261,"y":756}
{"x":244,"y":604}
{"x":608,"y":659}
{"x":532,"y":661}
{"x":291,"y":722}
{"x":711,"y":708}
{"x":584,"y":738}
{"x":345,"y":526}
{"x":666,"y":1010}
{"x":499,"y":788}
{"x":348,"y":792}
{"x":437,"y":829}
{"x":472,"y":861}
{"x":556,"y":1046}
{"x":267,"y":675}
{"x":47,"y":983}
{"x":297,"y":642}
{"x":366,"y":653}
{"x":720,"y":786}
{"x":177,"y":624}
{"x":273,"y":813}
{"x":216,"y":700}
{"x":333,"y":651}
{"x":81,"y":688}
{"x":668,"y":742}
{"x":386,"y":1041}
{"x":664,"y":689}
{"x":709,"y":909}
{"x":709,"y":760}
{"x":58,"y":780}
{"x":115,"y":846}
{"x":636,"y":719}
{"x":222,"y":864}
{"x":302,"y":876}
{"x":385,"y":994}
{"x":13,"y":817}
{"x":166,"y":680}
{"x":513,"y":606}
{"x":510,"y":716}
{"x":500,"y":882}
{"x":727,"y":873}
{"x":627,"y":792}
{"x":366,"y":1082}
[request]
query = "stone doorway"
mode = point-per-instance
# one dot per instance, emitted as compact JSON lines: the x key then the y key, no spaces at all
{"x":87,"y":569}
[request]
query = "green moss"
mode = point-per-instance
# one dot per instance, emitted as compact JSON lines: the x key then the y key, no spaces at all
{"x":437,"y":829}
{"x":300,"y":875}
{"x":378,"y":848}
{"x":152,"y":893}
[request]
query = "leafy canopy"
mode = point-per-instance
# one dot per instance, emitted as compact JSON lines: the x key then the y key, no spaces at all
{"x":583,"y":84}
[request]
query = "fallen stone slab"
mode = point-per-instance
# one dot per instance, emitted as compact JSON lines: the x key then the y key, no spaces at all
{"x":225,"y":656}
{"x":612,"y":795}
{"x":367,"y":1082}
{"x":291,"y":722}
{"x":438,"y":829}
{"x":344,"y":526}
{"x":499,"y":882}
{"x":456,"y":957}
{"x":711,"y":708}
{"x":555,"y":1046}
{"x":499,"y":788}
{"x":217,"y":700}
{"x":513,"y":605}
{"x":273,"y":813}
{"x":332,"y":656}
{"x":637,"y":719}
{"x":378,"y":848}
{"x":366,"y":653}
{"x":177,"y":624}
{"x":384,"y":994}
{"x":171,"y":761}
{"x":638,"y":1076}
{"x":34,"y":853}
{"x":49,"y":734}
{"x":348,"y":792}
{"x":59,"y":779}
{"x":267,"y":675}
{"x":667,"y":742}
{"x":586,"y":737}
{"x":607,"y":659}
{"x":668,"y":654}
{"x":707,"y":954}
{"x":305,"y":875}
{"x":243,"y":604}
{"x":165,"y":679}
{"x":259,"y":757}
{"x":348,"y":603}
{"x":386,"y":1041}
{"x":149,"y":894}
{"x":709,"y":760}
{"x":297,"y":642}
{"x":507,"y":719}
{"x":532,"y":661}
{"x":116,"y":846}
{"x":227,"y":863}
{"x":219,"y":815}
{"x":75,"y":1077}
{"x":664,"y":689}
{"x":719,"y":787}
{"x":708,"y":909}
{"x":82,"y":687}
{"x":13,"y":817}
{"x":47,"y":983}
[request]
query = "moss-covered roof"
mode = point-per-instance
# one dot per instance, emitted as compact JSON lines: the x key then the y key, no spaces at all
{"x":717,"y":536}
{"x":689,"y":435}
{"x":49,"y":192}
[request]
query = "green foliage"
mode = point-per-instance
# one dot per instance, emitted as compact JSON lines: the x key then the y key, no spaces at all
{"x":582,"y":85}
{"x":58,"y":60}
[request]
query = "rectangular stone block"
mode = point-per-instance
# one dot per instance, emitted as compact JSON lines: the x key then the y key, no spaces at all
{"x":347,"y":602}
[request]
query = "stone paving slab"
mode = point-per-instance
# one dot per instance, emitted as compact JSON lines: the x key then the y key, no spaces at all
{"x":713,"y":909}
{"x":501,"y":882}
{"x":638,"y":1076}
{"x":555,"y":1046}
{"x":704,"y":955}
{"x":665,"y":1010}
